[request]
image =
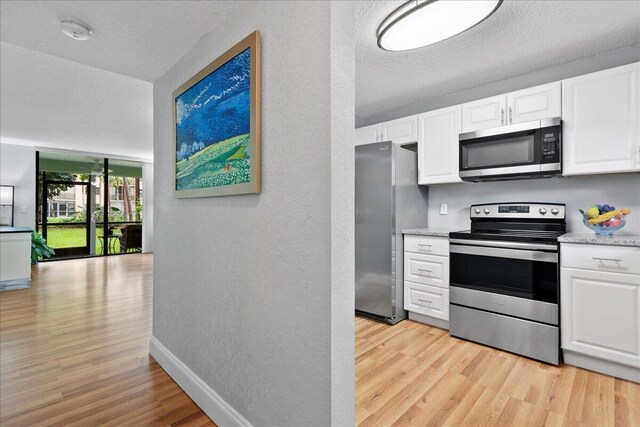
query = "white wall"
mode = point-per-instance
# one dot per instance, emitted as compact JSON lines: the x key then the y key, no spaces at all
{"x":18,"y":168}
{"x":622,"y":190}
{"x":254,"y":293}
{"x":342,"y":214}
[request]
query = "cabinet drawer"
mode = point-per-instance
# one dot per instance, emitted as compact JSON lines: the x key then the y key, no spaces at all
{"x":426,"y":269}
{"x":427,"y":300}
{"x":427,"y":245}
{"x":617,"y":259}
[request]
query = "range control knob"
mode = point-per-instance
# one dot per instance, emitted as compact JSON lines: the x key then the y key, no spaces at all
{"x":486,"y":211}
{"x":542,"y":211}
{"x":555,"y":211}
{"x":477,"y":211}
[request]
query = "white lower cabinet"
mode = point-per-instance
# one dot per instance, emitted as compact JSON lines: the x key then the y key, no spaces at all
{"x":426,"y":279}
{"x":600,"y":309}
{"x":428,"y":300}
{"x":428,"y":269}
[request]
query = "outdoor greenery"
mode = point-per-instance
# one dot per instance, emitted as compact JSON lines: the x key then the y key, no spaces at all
{"x":71,"y":231}
{"x":115,"y":214}
{"x":75,"y":236}
{"x":39,"y":248}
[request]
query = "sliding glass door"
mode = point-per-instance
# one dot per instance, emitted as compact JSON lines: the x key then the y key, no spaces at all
{"x":65,"y":223}
{"x":89,"y":206}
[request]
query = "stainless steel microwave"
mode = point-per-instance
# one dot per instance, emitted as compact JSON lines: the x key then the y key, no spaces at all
{"x":524,"y":150}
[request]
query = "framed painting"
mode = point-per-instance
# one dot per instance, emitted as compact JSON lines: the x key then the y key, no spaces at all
{"x":217,"y":125}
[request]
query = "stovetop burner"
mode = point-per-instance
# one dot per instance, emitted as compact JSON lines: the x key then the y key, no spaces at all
{"x":516,"y":222}
{"x":509,"y":235}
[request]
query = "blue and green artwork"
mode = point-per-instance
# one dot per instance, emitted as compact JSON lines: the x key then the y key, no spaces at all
{"x":212,"y":128}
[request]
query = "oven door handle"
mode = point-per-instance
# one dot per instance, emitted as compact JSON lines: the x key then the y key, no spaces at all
{"x":505,"y":253}
{"x":506,"y":244}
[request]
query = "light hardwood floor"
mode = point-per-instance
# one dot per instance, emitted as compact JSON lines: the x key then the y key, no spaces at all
{"x":74,"y":349}
{"x":411,"y":374}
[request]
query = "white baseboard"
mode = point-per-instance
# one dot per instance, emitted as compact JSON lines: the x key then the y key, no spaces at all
{"x":204,"y":396}
{"x":428,"y":320}
{"x":602,"y":366}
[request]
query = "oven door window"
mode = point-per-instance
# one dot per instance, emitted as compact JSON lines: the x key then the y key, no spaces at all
{"x":535,"y":280}
{"x":512,"y":151}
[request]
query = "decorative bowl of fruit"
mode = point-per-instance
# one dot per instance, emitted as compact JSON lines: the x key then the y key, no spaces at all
{"x":604,"y":219}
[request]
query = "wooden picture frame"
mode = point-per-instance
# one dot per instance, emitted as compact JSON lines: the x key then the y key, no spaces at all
{"x":213,"y":154}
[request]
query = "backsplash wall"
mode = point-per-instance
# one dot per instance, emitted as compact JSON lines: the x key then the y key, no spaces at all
{"x":621,"y":190}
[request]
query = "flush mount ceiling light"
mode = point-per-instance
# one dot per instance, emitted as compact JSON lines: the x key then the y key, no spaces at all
{"x":419,"y":23}
{"x":75,"y":29}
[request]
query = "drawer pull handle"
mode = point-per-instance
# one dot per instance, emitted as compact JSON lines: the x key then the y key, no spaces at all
{"x":426,"y":300}
{"x":607,"y":259}
{"x":422,"y":269}
{"x":424,"y":245}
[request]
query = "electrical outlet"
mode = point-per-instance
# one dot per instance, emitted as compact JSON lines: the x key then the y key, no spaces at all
{"x":23,"y":209}
{"x":443,"y":208}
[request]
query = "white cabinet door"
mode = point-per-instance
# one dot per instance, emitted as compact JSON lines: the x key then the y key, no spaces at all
{"x":427,"y":245}
{"x":484,"y":113}
{"x":601,"y":315}
{"x":368,"y":134}
{"x":534,"y":103}
{"x":427,"y":300}
{"x":601,"y":122}
{"x":400,"y":131}
{"x":438,"y":133}
{"x":427,"y":269}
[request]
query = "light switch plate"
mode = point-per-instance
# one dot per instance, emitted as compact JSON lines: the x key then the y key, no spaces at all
{"x":443,"y":208}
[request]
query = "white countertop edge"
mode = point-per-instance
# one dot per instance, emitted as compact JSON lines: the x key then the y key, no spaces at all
{"x":432,"y":232}
{"x":593,"y":239}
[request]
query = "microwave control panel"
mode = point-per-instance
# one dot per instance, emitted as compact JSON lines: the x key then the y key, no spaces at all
{"x":550,"y":144}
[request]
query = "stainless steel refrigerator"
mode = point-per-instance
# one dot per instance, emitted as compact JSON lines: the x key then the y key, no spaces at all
{"x":388,"y":200}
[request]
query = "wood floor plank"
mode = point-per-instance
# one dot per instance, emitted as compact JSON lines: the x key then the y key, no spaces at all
{"x":460,"y":383}
{"x":74,"y":349}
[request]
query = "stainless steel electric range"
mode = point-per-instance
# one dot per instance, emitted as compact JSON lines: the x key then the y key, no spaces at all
{"x":504,"y":278}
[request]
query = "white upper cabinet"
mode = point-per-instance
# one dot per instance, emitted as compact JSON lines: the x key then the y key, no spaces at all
{"x":484,"y":113}
{"x":401,"y":131}
{"x":438,"y":133}
{"x":534,"y":103}
{"x":601,"y":122}
{"x":369,"y":134}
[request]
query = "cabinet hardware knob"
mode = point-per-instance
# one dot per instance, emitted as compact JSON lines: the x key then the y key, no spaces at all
{"x":510,"y":115}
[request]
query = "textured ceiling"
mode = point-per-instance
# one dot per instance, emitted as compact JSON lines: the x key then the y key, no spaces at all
{"x":140,"y":39}
{"x":521,"y":37}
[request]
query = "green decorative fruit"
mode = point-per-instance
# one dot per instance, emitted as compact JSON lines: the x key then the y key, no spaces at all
{"x":593,"y":212}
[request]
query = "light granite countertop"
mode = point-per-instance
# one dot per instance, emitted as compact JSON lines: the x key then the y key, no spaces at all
{"x":433,"y":232}
{"x":593,"y":239}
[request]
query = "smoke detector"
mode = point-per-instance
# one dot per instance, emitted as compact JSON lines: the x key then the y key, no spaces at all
{"x":75,"y":29}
